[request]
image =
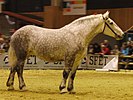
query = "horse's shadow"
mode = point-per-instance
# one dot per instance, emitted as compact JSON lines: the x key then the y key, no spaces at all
{"x":42,"y":92}
{"x":31,"y":91}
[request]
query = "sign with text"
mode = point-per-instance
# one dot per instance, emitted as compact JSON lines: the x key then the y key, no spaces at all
{"x":74,"y":7}
{"x":32,"y":62}
{"x":99,"y":61}
{"x":90,"y":62}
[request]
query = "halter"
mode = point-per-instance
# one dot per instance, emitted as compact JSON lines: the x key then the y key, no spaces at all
{"x":106,"y":24}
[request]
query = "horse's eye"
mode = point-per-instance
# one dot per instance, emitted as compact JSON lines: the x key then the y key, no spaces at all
{"x":111,"y":23}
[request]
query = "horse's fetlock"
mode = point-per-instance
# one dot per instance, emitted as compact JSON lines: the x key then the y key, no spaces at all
{"x":61,"y":87}
{"x":21,"y":86}
{"x":70,"y":88}
{"x":10,"y":88}
{"x":9,"y":83}
{"x":23,"y":89}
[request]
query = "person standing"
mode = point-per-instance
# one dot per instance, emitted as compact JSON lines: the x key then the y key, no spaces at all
{"x":115,"y":50}
{"x":104,"y":50}
{"x":124,"y":49}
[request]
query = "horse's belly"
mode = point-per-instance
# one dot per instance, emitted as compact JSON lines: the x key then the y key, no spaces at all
{"x":51,"y":56}
{"x":50,"y":51}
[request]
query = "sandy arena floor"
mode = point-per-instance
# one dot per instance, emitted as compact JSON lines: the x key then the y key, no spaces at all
{"x":89,"y":85}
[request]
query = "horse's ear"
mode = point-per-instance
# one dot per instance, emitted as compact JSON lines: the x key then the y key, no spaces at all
{"x":106,"y":15}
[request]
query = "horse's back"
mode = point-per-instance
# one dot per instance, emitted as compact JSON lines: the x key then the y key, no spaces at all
{"x":27,"y":33}
{"x":22,"y":37}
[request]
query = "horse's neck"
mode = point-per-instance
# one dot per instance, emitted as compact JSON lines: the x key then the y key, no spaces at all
{"x":96,"y":28}
{"x":89,"y":29}
{"x":84,"y":26}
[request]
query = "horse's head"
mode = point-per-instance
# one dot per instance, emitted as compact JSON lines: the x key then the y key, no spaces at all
{"x":111,"y":28}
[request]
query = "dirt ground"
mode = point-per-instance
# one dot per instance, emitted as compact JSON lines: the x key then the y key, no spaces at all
{"x":89,"y":85}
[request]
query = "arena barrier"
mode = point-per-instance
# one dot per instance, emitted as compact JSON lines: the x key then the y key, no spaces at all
{"x":90,"y":62}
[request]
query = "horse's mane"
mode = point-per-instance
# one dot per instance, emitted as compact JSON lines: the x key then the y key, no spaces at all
{"x":90,"y":17}
{"x":81,"y":19}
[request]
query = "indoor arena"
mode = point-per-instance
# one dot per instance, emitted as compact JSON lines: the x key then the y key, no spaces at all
{"x":66,"y":50}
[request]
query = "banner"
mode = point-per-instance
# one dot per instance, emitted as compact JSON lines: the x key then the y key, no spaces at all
{"x":32,"y":62}
{"x":74,"y":7}
{"x":101,"y":62}
{"x":89,"y":62}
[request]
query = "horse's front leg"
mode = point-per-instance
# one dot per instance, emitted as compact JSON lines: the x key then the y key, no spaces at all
{"x":10,"y":80}
{"x":75,"y":65}
{"x":68,"y":66}
{"x":70,"y":87}
{"x":19,"y":70}
{"x":62,"y":86}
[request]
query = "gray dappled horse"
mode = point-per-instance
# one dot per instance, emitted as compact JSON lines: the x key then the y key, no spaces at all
{"x":68,"y":44}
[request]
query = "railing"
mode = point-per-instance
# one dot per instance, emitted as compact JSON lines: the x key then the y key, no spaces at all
{"x":21,"y":17}
{"x":126,"y":61}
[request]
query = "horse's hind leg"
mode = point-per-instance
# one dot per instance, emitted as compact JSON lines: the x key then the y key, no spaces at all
{"x":63,"y":83}
{"x":68,"y":65}
{"x":10,"y":80}
{"x":70,"y":87}
{"x":19,"y":70}
{"x":21,"y":56}
{"x":71,"y":80}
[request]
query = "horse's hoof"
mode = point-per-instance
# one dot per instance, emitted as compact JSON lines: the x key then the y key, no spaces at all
{"x":11,"y":88}
{"x":63,"y":91}
{"x":23,"y":89}
{"x":72,"y":92}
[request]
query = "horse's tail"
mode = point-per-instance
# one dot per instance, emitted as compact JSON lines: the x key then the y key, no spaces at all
{"x":12,"y":56}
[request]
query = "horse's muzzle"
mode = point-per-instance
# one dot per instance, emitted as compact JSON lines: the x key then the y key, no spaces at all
{"x":118,"y":37}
